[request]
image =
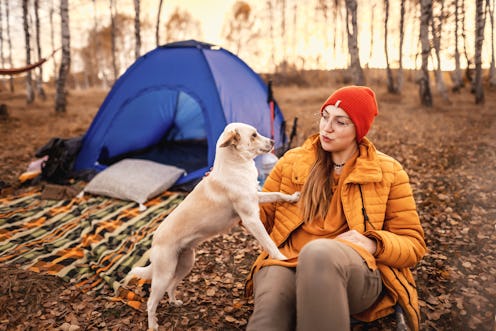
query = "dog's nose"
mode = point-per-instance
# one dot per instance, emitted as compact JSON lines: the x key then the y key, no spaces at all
{"x":272,"y":142}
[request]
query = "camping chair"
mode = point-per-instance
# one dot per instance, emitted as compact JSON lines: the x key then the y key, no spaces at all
{"x":399,"y":317}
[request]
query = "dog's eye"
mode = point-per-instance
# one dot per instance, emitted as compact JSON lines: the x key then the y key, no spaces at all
{"x":254,"y":135}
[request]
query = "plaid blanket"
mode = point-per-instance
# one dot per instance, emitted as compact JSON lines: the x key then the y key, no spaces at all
{"x":92,"y":241}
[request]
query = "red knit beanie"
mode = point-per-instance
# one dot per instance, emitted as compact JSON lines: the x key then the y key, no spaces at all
{"x":360,"y":105}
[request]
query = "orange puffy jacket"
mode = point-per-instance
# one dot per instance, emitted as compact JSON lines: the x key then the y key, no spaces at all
{"x":388,"y":200}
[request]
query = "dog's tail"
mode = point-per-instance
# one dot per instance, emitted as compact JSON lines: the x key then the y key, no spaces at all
{"x":142,"y":272}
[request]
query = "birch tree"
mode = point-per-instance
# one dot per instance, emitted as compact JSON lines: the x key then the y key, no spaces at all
{"x":337,"y":18}
{"x":112,"y":39}
{"x":437,"y":28}
{"x":137,"y":29}
{"x":322,"y":9}
{"x":97,"y":51}
{"x":294,"y":40}
{"x":240,"y":29}
{"x":2,"y":53}
{"x":52,"y":37}
{"x":270,"y":11}
{"x":424,"y":83}
{"x":352,"y":31}
{"x":464,"y":40}
{"x":157,"y":27}
{"x":65,"y":63}
{"x":9,"y":44}
{"x":389,"y":74}
{"x":39,"y":78}
{"x":479,"y":40}
{"x":492,"y":66}
{"x":180,"y":25}
{"x":399,"y":77}
{"x":29,"y":81}
{"x":284,"y":61}
{"x":457,"y":74}
{"x":372,"y":39}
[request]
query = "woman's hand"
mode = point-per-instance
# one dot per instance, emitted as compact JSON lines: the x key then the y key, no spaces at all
{"x":357,"y":238}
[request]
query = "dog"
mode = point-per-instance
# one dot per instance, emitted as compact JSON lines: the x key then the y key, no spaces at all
{"x":227,"y":195}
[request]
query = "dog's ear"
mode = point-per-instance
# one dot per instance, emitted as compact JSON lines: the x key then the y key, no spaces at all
{"x":231,"y":138}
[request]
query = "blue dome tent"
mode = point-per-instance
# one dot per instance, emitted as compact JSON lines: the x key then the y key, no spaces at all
{"x":172,"y":104}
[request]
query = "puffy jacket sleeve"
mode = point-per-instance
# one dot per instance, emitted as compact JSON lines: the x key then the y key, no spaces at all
{"x":400,"y":243}
{"x":272,"y":184}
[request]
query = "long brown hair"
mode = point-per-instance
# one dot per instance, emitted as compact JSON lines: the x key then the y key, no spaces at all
{"x":317,"y":191}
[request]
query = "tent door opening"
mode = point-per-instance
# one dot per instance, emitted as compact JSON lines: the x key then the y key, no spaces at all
{"x":174,"y":123}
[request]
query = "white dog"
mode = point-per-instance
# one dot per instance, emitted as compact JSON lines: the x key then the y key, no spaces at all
{"x":228,"y":194}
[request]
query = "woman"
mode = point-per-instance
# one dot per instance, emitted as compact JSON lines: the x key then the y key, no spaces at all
{"x":351,"y":238}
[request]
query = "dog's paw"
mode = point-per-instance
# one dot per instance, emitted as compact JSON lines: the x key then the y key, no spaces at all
{"x":177,"y":303}
{"x":294,"y":197}
{"x":152,"y":323}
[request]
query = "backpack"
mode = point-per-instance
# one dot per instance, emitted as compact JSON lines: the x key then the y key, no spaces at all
{"x":61,"y":154}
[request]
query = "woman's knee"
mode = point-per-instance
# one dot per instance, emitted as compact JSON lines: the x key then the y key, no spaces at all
{"x":322,"y":253}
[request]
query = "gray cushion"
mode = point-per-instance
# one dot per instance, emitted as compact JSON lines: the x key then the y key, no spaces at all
{"x":134,"y":180}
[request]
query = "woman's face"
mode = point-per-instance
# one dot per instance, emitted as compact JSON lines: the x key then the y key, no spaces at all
{"x":337,"y":132}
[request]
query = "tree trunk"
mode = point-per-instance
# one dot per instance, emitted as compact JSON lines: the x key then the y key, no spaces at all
{"x":337,"y":18}
{"x":457,"y":74}
{"x":479,"y":40}
{"x":414,"y":42}
{"x":137,"y":30}
{"x":437,"y":27}
{"x":270,"y":9}
{"x":52,"y":38}
{"x":389,"y":74}
{"x":399,"y":77}
{"x":157,"y":28}
{"x":29,"y":81}
{"x":323,"y":9}
{"x":65,"y":63}
{"x":104,"y":81}
{"x":112,"y":40}
{"x":372,"y":21}
{"x":468,"y":70}
{"x":295,"y":29}
{"x":424,"y":84}
{"x":492,"y":67}
{"x":39,"y":78}
{"x":9,"y":43}
{"x":352,"y":30}
{"x":2,"y":55}
{"x":284,"y":61}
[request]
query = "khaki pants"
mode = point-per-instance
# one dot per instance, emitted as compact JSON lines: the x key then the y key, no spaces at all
{"x":330,"y":283}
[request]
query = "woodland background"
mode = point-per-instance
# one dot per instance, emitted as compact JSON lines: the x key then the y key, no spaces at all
{"x":91,"y":44}
{"x":439,"y":124}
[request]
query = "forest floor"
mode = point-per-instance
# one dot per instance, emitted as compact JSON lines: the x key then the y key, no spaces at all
{"x":448,"y":150}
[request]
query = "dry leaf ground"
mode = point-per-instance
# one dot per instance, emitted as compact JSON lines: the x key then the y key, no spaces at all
{"x":448,"y":150}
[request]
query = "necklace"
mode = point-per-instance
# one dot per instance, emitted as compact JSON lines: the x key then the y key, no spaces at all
{"x":339,"y":165}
